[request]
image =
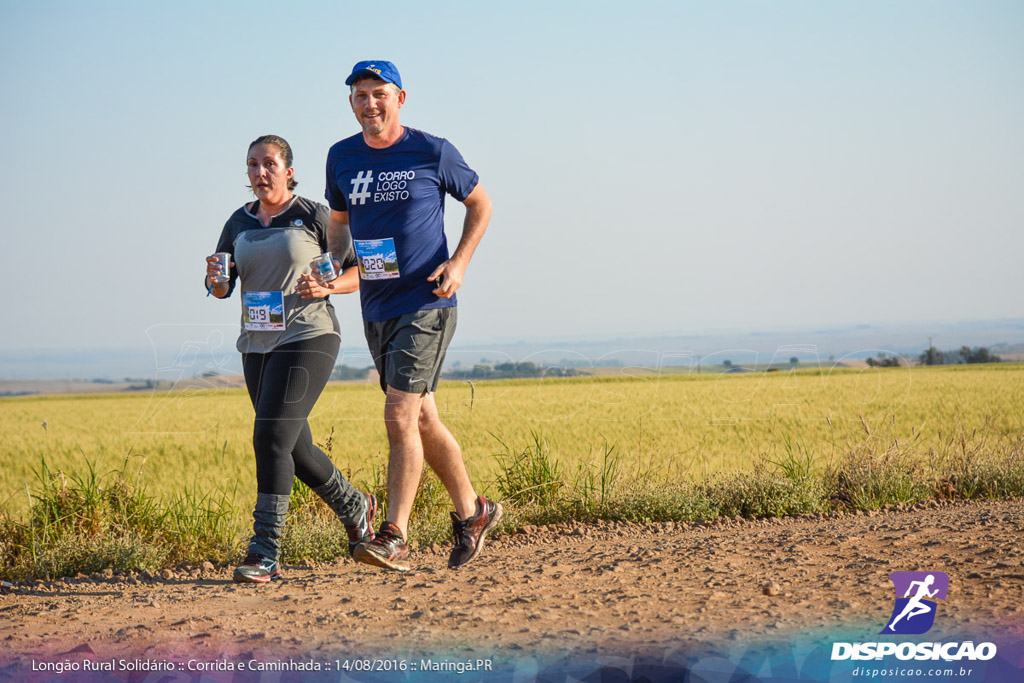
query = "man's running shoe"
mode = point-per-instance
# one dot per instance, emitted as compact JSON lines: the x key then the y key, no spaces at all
{"x":386,"y":550}
{"x":361,"y":531}
{"x":257,"y":569}
{"x":470,"y":533}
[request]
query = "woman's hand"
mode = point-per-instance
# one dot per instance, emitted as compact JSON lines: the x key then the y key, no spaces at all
{"x":312,"y":287}
{"x":309,"y":288}
{"x":213,"y":269}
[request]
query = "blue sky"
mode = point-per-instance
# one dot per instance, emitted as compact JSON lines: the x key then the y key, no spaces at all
{"x":655,"y":167}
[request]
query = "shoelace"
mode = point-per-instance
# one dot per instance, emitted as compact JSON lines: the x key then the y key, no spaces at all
{"x":385,"y":535}
{"x":460,"y":526}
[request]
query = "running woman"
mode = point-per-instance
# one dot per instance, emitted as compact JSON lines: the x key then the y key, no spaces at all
{"x":289,"y":341}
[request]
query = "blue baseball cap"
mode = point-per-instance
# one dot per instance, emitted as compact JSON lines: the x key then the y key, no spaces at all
{"x":375,"y":68}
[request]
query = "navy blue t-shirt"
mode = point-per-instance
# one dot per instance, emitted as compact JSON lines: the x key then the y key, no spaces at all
{"x":395,"y":203}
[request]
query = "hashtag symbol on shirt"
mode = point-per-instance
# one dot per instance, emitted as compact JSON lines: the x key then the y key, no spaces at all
{"x":360,"y":185}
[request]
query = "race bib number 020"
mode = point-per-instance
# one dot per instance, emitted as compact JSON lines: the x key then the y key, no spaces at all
{"x":263,"y":311}
{"x":377,"y":259}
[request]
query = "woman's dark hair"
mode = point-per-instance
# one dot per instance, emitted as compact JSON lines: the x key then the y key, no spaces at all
{"x":285,"y":149}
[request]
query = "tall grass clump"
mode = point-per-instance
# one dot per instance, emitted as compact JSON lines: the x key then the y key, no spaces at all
{"x":784,"y":486}
{"x":197,"y":525}
{"x":868,"y":481}
{"x":88,"y":522}
{"x":597,"y":481}
{"x":529,"y":475}
{"x":879,"y":470}
{"x":973,"y":470}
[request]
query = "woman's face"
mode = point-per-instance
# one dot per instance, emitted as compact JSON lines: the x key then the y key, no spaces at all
{"x":268,"y":173}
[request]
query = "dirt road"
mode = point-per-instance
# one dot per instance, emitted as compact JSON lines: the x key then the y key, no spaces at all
{"x":566,"y":593}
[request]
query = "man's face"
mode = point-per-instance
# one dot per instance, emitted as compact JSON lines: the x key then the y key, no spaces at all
{"x":376,"y":104}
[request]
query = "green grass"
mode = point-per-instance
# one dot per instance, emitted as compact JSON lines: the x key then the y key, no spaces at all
{"x":102,"y":485}
{"x":679,"y":427}
{"x":89,"y":522}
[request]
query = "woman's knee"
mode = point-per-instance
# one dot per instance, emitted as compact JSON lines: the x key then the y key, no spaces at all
{"x":272,"y":439}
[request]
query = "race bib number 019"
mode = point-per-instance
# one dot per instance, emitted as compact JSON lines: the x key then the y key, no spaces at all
{"x":263,"y":311}
{"x":377,"y":259}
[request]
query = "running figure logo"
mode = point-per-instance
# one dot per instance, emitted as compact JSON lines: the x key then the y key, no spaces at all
{"x":361,"y":187}
{"x":916,"y":592}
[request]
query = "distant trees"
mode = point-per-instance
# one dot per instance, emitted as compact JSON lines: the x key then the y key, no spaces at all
{"x":478,"y":371}
{"x":979,"y":354}
{"x":884,"y":361}
{"x":931,"y":357}
{"x":511,"y":371}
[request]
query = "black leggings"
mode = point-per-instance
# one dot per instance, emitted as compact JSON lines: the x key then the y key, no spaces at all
{"x":284,"y":385}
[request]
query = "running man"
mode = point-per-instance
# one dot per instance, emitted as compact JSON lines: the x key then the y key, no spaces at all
{"x":914,"y":606}
{"x":387,"y":185}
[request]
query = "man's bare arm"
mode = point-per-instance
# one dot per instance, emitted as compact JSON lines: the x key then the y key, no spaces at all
{"x":478,"y":215}
{"x":339,"y":241}
{"x":339,"y":238}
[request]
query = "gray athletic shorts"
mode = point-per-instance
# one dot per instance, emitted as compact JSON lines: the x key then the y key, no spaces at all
{"x":409,"y":350}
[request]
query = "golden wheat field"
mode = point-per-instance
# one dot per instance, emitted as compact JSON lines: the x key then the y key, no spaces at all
{"x":665,"y":428}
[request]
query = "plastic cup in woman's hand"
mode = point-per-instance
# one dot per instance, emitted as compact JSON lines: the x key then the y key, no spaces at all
{"x":323,"y":266}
